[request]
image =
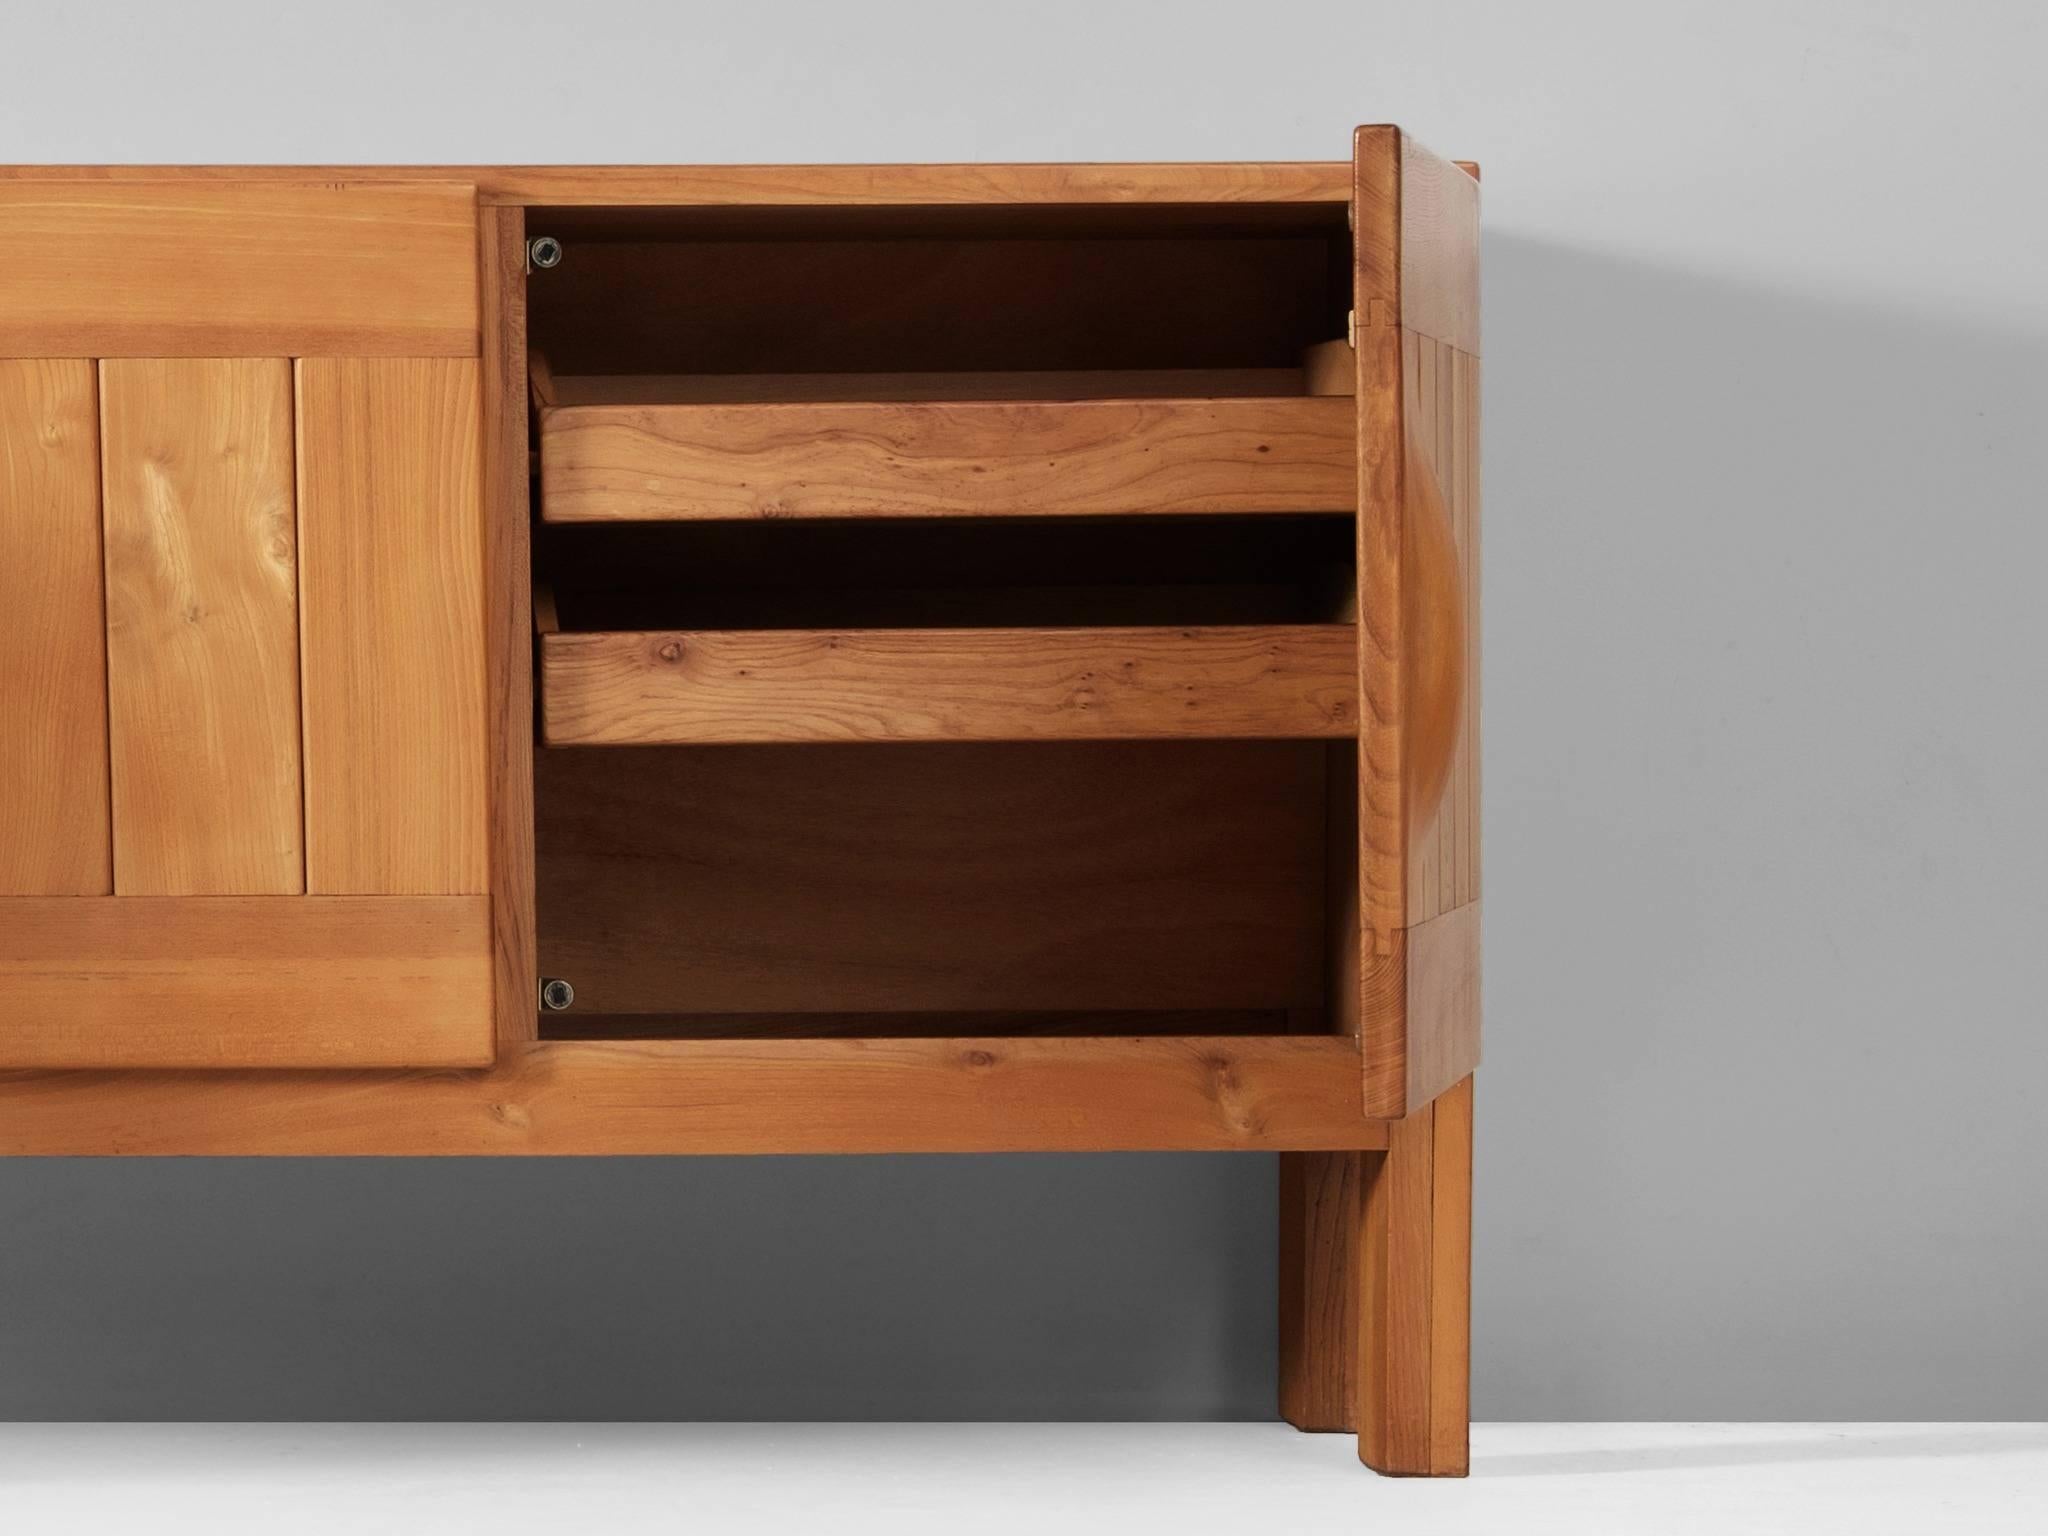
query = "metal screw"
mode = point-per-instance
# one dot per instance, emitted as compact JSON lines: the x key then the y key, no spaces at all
{"x":543,"y":251}
{"x":556,"y":994}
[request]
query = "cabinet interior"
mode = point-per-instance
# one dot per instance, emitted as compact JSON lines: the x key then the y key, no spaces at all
{"x":692,"y":889}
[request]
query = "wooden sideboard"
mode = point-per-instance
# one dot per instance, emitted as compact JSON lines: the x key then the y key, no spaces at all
{"x":764,"y":659}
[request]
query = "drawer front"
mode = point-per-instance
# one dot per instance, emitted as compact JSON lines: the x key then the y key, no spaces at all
{"x":1052,"y":684}
{"x":953,"y":458}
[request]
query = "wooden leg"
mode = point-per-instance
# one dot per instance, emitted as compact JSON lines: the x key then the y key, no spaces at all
{"x":1415,"y":1279}
{"x":1320,"y":1195}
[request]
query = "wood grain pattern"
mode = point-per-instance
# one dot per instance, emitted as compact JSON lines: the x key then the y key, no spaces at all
{"x":509,"y":651}
{"x":936,"y":879}
{"x":948,"y":685}
{"x":1441,"y":626}
{"x":392,"y":626}
{"x":1414,"y":1293}
{"x":1450,"y":1268}
{"x":660,"y":1098}
{"x":1321,"y":1201}
{"x":947,"y":458}
{"x":202,"y":626}
{"x":1419,"y":379}
{"x":1382,"y":821}
{"x":1421,"y":1010}
{"x":53,"y":671}
{"x":185,"y":266}
{"x":1440,"y":961}
{"x":1417,"y":227}
{"x":1330,"y":368}
{"x":778,"y":185}
{"x":244,"y":981}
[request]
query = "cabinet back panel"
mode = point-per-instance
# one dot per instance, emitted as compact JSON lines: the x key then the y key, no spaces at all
{"x":893,"y":306}
{"x":943,"y":572}
{"x":933,"y":878}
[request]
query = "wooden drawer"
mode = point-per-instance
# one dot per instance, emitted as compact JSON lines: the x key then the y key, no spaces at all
{"x":1074,"y":684}
{"x":635,"y":460}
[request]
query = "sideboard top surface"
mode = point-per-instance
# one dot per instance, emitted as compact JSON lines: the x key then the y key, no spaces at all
{"x":1308,"y":181}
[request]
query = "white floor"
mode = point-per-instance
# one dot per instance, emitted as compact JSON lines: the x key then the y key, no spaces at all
{"x":1063,"y":1479}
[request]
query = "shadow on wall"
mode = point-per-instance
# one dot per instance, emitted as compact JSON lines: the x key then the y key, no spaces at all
{"x":1056,"y":1287}
{"x":1765,"y":666}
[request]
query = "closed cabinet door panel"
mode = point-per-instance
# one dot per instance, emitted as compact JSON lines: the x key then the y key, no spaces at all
{"x":243,"y":801}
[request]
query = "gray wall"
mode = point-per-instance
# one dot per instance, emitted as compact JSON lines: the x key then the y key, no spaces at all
{"x":1767,"y":345}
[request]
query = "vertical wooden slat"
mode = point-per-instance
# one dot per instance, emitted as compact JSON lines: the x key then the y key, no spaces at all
{"x":1414,"y":1274}
{"x":1448,"y":478}
{"x":1450,"y":1280}
{"x":1416,"y":300}
{"x":1428,"y":427}
{"x":202,"y":626}
{"x":1423,"y":857}
{"x":1331,"y":368}
{"x":53,"y":673}
{"x":392,"y":625}
{"x":1319,"y":1291}
{"x":508,"y":586}
{"x":1454,"y":503}
{"x":1473,"y":523}
{"x":1396,"y":1331}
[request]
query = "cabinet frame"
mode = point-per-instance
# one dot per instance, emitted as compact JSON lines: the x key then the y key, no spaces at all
{"x":1375,"y":1118}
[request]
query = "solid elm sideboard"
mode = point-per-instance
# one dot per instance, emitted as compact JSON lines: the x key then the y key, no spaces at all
{"x":769,"y":659}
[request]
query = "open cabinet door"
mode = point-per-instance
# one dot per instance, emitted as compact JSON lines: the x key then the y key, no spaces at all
{"x":1416,"y":313}
{"x":242,"y":793}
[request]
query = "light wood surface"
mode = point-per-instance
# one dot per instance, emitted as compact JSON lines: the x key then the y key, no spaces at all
{"x":509,"y":652}
{"x":948,"y":685}
{"x":1417,"y":226}
{"x":242,"y":981}
{"x":202,"y":626}
{"x":787,"y":185}
{"x":193,"y":266}
{"x":1440,"y":588}
{"x":653,"y":1098}
{"x":57,"y":839}
{"x":392,"y":622}
{"x":1330,"y":368}
{"x":1450,"y":1267}
{"x":1020,"y":927}
{"x":1422,"y":1009}
{"x":1321,"y":1201}
{"x":957,"y":877}
{"x":947,"y":458}
{"x":1419,"y":604}
{"x":1414,"y":1295}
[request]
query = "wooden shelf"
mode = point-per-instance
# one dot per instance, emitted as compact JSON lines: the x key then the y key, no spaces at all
{"x":1073,"y":684}
{"x":630,"y":460}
